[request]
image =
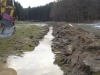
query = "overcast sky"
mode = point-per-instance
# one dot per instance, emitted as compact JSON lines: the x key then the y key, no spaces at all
{"x":33,"y":3}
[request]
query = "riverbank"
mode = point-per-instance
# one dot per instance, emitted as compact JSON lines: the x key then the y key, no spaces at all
{"x":77,"y":51}
{"x":26,"y":38}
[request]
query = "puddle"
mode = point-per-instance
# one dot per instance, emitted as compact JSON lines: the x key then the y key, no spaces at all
{"x":97,"y":26}
{"x":37,"y":62}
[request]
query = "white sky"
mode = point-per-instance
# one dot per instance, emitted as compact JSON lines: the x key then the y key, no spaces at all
{"x":33,"y":3}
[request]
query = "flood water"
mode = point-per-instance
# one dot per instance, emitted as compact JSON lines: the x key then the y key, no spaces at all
{"x":37,"y":62}
{"x":90,"y":27}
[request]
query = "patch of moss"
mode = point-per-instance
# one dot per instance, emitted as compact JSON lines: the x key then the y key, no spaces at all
{"x":28,"y":46}
{"x":59,"y":61}
{"x":54,"y":50}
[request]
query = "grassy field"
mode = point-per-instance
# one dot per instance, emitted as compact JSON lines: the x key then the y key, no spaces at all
{"x":22,"y":40}
{"x":88,"y":27}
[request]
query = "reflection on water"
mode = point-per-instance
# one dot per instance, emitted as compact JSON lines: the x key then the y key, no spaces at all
{"x":94,"y":25}
{"x":38,"y":62}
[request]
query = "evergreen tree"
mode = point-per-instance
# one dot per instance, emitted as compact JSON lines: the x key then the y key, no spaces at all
{"x":75,"y":10}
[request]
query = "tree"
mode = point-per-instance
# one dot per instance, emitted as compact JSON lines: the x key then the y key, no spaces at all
{"x":75,"y":10}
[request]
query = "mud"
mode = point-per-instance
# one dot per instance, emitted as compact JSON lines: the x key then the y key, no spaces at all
{"x":77,"y":51}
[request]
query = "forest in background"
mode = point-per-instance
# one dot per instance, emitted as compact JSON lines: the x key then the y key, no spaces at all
{"x":40,"y":13}
{"x":76,"y":10}
{"x":61,"y":10}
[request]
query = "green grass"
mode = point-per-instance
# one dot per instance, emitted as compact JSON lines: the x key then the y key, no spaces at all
{"x":21,"y":39}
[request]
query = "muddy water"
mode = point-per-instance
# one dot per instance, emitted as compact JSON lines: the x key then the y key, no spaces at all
{"x":37,"y":62}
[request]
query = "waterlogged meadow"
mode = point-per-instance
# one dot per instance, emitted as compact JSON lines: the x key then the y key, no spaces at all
{"x":90,"y":27}
{"x":23,"y":38}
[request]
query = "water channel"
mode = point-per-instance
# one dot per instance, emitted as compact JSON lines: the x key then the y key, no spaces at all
{"x":37,"y":62}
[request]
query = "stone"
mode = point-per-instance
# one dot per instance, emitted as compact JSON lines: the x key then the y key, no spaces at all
{"x":68,"y":60}
{"x":97,"y":58}
{"x":75,"y":58}
{"x":91,"y":61}
{"x":58,"y":52}
{"x":69,"y":49}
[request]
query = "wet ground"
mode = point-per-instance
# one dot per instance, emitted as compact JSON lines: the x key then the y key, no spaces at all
{"x":90,"y":27}
{"x":37,"y":62}
{"x":40,"y":60}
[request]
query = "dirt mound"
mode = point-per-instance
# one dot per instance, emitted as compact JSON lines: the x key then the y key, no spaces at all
{"x":79,"y":50}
